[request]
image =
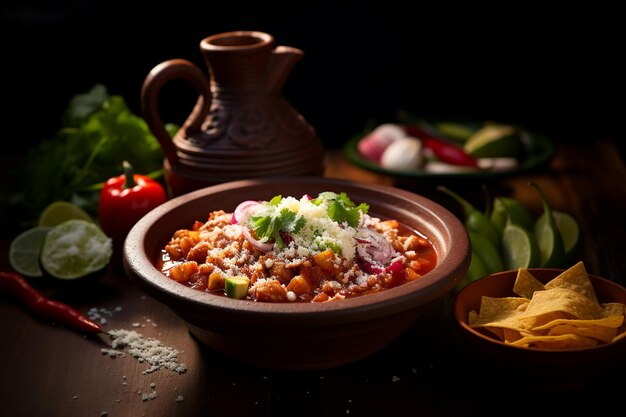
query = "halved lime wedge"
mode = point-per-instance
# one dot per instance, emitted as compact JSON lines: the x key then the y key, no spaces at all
{"x":494,"y":140}
{"x":60,"y":211}
{"x":570,"y":232}
{"x":548,"y":236}
{"x":25,"y":250}
{"x":519,"y":247}
{"x":74,"y":249}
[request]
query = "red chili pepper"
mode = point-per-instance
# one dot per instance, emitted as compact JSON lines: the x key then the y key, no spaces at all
{"x":124,"y":200}
{"x":444,"y":150}
{"x":15,"y":285}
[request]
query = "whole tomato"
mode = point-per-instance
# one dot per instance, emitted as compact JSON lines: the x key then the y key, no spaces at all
{"x":124,"y":200}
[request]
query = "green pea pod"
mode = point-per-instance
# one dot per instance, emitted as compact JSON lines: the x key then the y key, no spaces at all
{"x":475,"y":220}
{"x":487,"y":252}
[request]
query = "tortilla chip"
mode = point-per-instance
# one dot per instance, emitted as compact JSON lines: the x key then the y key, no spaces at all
{"x":576,"y":279}
{"x":559,"y":342}
{"x":610,"y":322}
{"x":620,"y":336}
{"x":566,"y":301}
{"x":473,"y":315}
{"x":599,"y":333}
{"x":562,"y":314}
{"x":525,"y":284}
{"x":495,"y":310}
{"x":510,"y":335}
{"x":613,"y":309}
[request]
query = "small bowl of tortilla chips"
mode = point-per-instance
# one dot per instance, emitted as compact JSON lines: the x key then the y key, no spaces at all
{"x":558,"y":327}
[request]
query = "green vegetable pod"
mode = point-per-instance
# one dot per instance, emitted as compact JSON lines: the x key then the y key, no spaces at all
{"x":506,"y":207}
{"x":475,"y":220}
{"x":487,"y":252}
{"x":476,"y":270}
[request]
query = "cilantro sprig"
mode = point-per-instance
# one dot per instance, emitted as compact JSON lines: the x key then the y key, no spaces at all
{"x":269,"y":225}
{"x":341,"y":209}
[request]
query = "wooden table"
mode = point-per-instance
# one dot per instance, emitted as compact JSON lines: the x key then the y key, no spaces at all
{"x":47,"y":370}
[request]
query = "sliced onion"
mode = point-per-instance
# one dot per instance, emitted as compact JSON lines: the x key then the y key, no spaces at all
{"x":375,"y":252}
{"x":262,"y":246}
{"x":243,"y":211}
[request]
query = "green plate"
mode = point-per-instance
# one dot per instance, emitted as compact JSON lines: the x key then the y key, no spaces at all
{"x":540,"y":151}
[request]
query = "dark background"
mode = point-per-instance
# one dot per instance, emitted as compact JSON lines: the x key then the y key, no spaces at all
{"x":557,"y":71}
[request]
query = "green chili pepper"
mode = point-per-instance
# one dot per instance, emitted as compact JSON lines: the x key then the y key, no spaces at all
{"x":476,"y":270}
{"x":486,"y":251}
{"x":475,"y":220}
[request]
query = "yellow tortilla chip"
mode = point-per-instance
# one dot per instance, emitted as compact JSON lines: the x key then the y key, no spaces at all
{"x":499,"y":312}
{"x":576,"y":279}
{"x":564,"y":341}
{"x":511,"y":335}
{"x":600,"y":333}
{"x":563,"y":300}
{"x":620,"y":336}
{"x":610,"y":322}
{"x":473,"y":315}
{"x":526,"y":284}
{"x":613,"y":309}
{"x":562,"y":314}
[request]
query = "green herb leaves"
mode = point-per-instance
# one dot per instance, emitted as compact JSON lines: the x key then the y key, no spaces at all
{"x":341,"y":209}
{"x":280,"y":219}
{"x":269,"y":225}
{"x":98,"y":132}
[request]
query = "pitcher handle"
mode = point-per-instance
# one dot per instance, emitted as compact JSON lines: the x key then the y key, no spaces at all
{"x":154,"y":82}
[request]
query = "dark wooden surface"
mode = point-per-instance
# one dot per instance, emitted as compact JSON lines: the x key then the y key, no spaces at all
{"x":48,"y":370}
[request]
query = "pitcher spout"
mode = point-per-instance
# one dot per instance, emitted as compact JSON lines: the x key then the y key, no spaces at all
{"x":283,"y":59}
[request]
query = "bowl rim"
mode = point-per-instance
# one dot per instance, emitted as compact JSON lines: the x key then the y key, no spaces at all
{"x":449,"y":270}
{"x":462,"y":319}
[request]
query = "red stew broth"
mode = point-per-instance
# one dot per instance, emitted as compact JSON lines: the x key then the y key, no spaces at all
{"x":316,"y":279}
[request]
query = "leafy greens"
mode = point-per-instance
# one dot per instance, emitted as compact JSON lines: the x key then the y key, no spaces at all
{"x":98,"y":132}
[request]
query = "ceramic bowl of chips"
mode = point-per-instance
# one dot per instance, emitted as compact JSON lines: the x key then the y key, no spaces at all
{"x":293,"y":303}
{"x":559,"y":328}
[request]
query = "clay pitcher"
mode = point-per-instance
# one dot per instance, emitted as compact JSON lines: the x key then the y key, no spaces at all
{"x":241,"y":125}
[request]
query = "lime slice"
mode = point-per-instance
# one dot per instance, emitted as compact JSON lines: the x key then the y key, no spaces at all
{"x":519,"y":247}
{"x":25,"y":250}
{"x":453,"y":130}
{"x":74,"y":249}
{"x":494,"y":140}
{"x":60,"y":211}
{"x":568,"y":227}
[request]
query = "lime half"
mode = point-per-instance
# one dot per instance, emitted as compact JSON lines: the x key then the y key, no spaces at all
{"x":519,"y":247}
{"x":25,"y":250}
{"x":74,"y":249}
{"x":568,"y":227}
{"x":60,"y":211}
{"x":494,"y":140}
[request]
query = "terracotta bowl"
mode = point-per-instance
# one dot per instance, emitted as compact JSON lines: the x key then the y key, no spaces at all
{"x":298,"y":336}
{"x":549,"y":369}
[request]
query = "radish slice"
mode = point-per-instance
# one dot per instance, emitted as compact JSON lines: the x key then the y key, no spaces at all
{"x":243,"y":211}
